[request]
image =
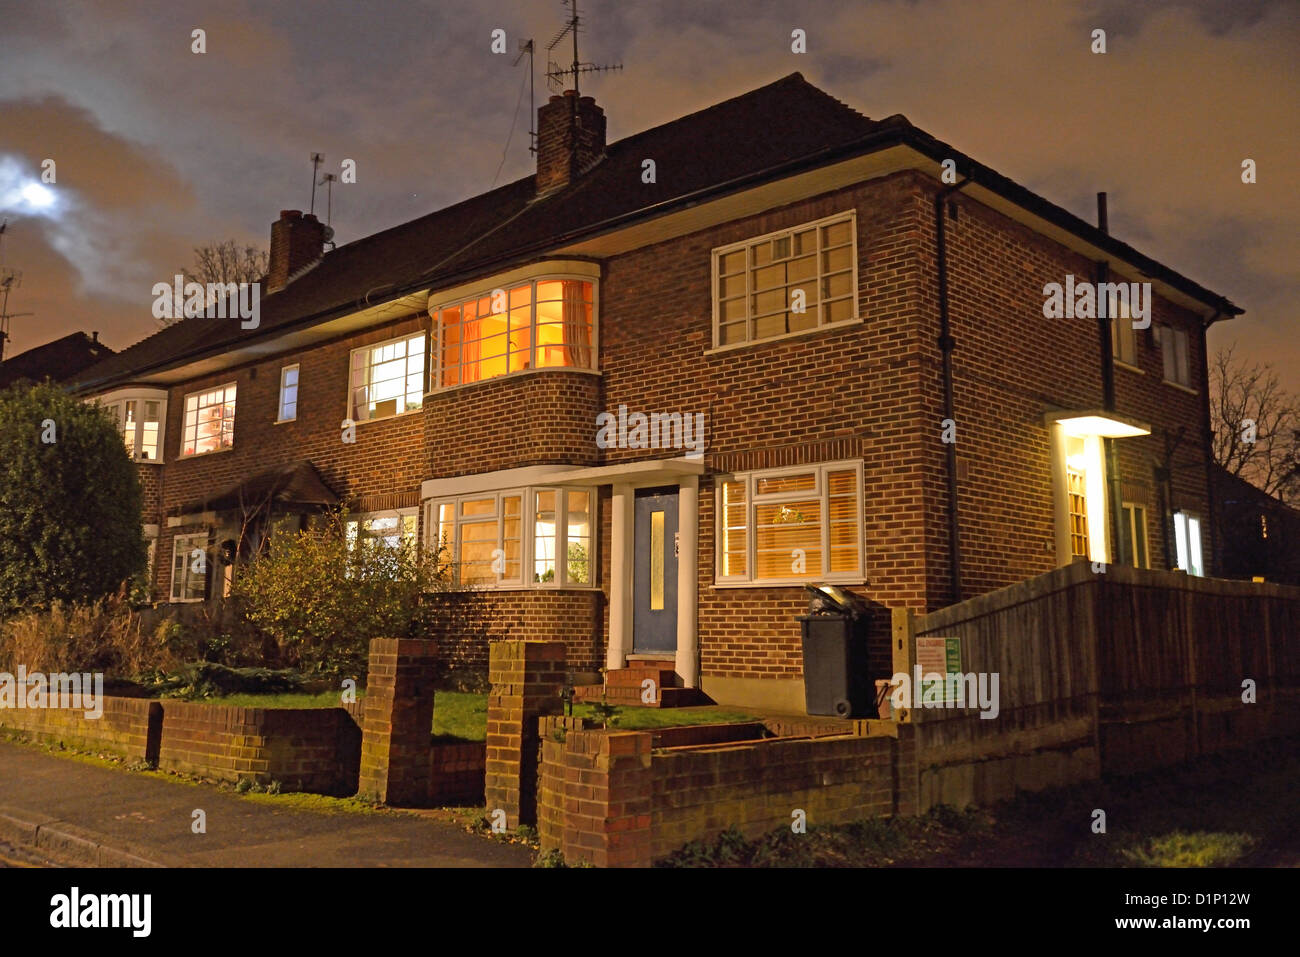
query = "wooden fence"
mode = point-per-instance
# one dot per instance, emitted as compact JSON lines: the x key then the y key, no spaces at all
{"x":1104,"y":672}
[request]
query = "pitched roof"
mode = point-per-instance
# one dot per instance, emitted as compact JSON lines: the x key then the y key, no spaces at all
{"x":59,"y":360}
{"x":296,"y":484}
{"x":728,"y":146}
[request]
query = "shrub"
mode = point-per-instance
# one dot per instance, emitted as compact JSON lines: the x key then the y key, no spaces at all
{"x":70,"y":502}
{"x":321,"y":597}
{"x":105,"y":635}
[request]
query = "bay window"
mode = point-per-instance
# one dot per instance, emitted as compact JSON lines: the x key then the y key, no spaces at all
{"x":790,"y":525}
{"x":139,"y":416}
{"x":532,"y":537}
{"x":543,"y":323}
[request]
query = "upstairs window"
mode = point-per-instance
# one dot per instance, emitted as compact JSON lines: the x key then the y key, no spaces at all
{"x":784,"y":283}
{"x":288,"y":394}
{"x":1123,"y":337}
{"x":387,"y":379}
{"x":539,"y":324}
{"x":1173,"y":349}
{"x":209,"y":421}
{"x":140,"y":419}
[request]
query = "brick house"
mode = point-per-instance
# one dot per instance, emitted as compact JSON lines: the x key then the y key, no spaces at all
{"x":885,"y":405}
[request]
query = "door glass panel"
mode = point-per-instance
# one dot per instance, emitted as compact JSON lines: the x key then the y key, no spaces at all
{"x":656,"y":561}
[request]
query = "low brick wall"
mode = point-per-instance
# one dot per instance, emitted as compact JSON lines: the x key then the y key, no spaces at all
{"x":128,"y":727}
{"x":305,"y":749}
{"x":614,"y":800}
{"x":456,"y":773}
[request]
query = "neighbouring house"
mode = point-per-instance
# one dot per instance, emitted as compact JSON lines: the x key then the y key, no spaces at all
{"x":1259,"y":534}
{"x":59,"y":361}
{"x":884,"y":404}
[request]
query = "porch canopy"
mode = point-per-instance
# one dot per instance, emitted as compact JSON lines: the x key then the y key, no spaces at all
{"x":294,"y":486}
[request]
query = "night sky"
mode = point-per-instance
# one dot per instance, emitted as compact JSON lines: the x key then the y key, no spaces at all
{"x":159,"y":149}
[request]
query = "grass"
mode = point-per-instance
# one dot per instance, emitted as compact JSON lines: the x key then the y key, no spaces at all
{"x":326,"y":699}
{"x":639,"y":719}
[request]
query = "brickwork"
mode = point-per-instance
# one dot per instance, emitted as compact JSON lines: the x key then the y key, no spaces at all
{"x":128,"y":727}
{"x":456,"y":773}
{"x":527,"y":678}
{"x":307,"y":749}
{"x":612,"y":799}
{"x":395,"y":744}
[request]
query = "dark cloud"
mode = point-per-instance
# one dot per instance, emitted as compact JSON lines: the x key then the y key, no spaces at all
{"x":166,"y":149}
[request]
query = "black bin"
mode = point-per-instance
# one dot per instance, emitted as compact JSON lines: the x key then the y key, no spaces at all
{"x":835,"y":653}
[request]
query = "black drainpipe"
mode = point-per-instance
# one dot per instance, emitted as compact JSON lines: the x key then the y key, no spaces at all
{"x":1108,"y":395}
{"x":946,"y":346}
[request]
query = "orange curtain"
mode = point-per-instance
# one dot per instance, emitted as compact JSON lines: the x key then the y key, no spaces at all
{"x":577,"y":325}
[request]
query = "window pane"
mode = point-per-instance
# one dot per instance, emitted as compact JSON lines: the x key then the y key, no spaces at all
{"x":735,"y":537}
{"x":578,"y":549}
{"x":788,"y":540}
{"x":805,"y":481}
{"x":544,"y":537}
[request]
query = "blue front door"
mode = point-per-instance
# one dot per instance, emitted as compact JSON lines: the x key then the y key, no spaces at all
{"x":654,"y":577}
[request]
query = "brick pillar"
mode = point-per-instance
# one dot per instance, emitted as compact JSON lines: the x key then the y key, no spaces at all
{"x":527,"y":678}
{"x":607,"y":821}
{"x":397,"y":730}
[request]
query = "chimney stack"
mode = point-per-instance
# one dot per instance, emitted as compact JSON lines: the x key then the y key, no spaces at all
{"x":570,"y":139}
{"x":297,"y":241}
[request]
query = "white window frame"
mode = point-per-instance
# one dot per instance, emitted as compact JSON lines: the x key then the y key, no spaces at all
{"x":527,"y":549}
{"x":297,"y":382}
{"x":750,"y":479}
{"x":1188,"y":543}
{"x":1171,"y":337}
{"x":424,"y":377}
{"x":234,"y":384}
{"x":184,"y":544}
{"x":359,"y":519}
{"x":435,"y":314}
{"x":116,"y":403}
{"x":849,"y":216}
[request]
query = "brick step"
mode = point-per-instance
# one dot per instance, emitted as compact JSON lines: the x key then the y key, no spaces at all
{"x":630,"y":696}
{"x":632,"y":677}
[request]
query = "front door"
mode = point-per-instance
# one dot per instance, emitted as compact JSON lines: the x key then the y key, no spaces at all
{"x":654,"y":580}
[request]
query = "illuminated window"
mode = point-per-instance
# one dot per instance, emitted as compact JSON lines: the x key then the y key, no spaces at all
{"x":514,"y":538}
{"x":1187,"y":540}
{"x":1173,"y":350}
{"x":388,"y":530}
{"x":386,"y":379}
{"x":288,"y":394}
{"x":209,"y":421}
{"x":540,"y":324}
{"x":189,"y":567}
{"x":791,"y":525}
{"x":1076,"y":483}
{"x":140,"y":420}
{"x":793,"y":281}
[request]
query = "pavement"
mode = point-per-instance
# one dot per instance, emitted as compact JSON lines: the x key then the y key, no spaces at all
{"x":68,"y":811}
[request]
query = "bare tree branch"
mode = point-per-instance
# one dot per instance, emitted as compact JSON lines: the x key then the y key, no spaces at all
{"x":1256,"y":425}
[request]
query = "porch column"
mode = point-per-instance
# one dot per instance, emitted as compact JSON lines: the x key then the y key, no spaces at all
{"x":620,"y":577}
{"x":688,"y":530}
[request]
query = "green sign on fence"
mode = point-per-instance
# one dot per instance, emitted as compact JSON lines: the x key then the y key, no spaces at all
{"x":936,"y":658}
